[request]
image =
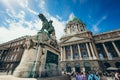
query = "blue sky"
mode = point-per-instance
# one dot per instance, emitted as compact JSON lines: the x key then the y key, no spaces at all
{"x":19,"y":17}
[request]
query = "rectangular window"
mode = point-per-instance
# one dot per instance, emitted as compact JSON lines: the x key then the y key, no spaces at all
{"x":82,"y":46}
{"x":68,"y":55}
{"x":84,"y":54}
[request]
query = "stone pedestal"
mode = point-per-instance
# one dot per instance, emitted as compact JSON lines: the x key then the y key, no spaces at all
{"x":35,"y":62}
{"x":26,"y":64}
{"x":41,"y":56}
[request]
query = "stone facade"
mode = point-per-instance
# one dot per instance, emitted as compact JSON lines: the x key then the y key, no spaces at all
{"x":18,"y":57}
{"x":80,"y":51}
{"x":40,"y":53}
{"x":10,"y":54}
{"x":83,"y":51}
{"x":38,"y":60}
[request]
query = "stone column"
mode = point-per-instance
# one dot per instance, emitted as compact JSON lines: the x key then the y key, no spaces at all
{"x":95,"y":50}
{"x":64,"y":53}
{"x":106,"y":51}
{"x":61,"y":54}
{"x":71,"y":50}
{"x":79,"y":52}
{"x":91,"y":47}
{"x":116,"y":48}
{"x":88,"y":50}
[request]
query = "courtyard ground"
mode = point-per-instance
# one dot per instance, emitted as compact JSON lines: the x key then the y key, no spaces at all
{"x":10,"y":77}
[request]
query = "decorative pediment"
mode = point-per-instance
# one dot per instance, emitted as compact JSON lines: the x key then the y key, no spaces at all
{"x":74,"y":39}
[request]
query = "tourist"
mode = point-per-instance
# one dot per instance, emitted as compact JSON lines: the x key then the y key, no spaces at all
{"x":79,"y":76}
{"x":112,"y":75}
{"x":117,"y":76}
{"x":92,"y":76}
{"x":84,"y":76}
{"x":102,"y":77}
{"x":73,"y":76}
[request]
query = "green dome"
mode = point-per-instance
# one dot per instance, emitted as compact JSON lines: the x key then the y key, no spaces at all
{"x":75,"y":20}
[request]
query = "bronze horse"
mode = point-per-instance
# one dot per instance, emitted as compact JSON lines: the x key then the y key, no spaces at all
{"x":46,"y":24}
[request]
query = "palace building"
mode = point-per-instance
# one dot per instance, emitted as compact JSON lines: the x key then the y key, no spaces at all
{"x":83,"y":51}
{"x":80,"y":50}
{"x":10,"y":54}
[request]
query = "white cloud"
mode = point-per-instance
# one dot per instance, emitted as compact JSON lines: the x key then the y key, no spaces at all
{"x":104,"y":17}
{"x":17,"y":25}
{"x":58,"y":17}
{"x":32,"y":11}
{"x":22,"y":3}
{"x":95,"y":27}
{"x":19,"y":15}
{"x":99,"y":21}
{"x":59,"y":27}
{"x":42,"y":4}
{"x":14,"y":32}
{"x":7,"y":3}
{"x":18,"y":28}
{"x":57,"y":23}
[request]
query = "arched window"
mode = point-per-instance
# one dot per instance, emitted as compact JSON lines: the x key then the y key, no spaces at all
{"x":77,"y":67}
{"x":82,"y":46}
{"x":68,"y":67}
{"x":75,"y":47}
{"x":87,"y":66}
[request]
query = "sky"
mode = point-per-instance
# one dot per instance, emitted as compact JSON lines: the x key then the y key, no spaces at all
{"x":20,"y":17}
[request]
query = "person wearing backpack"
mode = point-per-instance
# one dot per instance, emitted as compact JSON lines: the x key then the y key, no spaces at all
{"x":92,"y":76}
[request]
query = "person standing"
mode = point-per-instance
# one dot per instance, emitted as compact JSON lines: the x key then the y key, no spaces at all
{"x":79,"y":76}
{"x":103,"y":77}
{"x":92,"y":76}
{"x":84,"y":76}
{"x":73,"y":76}
{"x":116,"y":76}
